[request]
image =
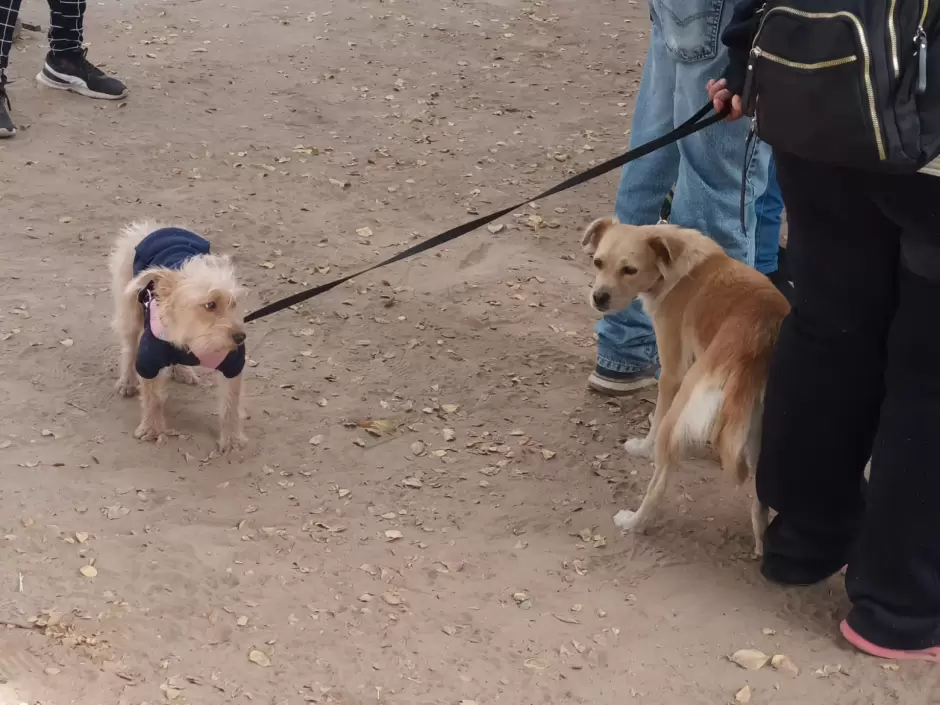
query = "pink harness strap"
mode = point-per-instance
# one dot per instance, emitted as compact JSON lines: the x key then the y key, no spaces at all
{"x":211,"y":362}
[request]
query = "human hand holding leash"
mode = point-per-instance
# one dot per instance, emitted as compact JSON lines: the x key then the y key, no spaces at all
{"x":723,"y":98}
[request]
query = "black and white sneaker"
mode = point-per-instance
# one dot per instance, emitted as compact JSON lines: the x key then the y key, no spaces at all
{"x":73,"y":72}
{"x":7,"y":128}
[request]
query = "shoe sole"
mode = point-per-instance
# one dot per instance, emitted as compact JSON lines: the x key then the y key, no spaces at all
{"x":931,"y":655}
{"x":616,"y":388}
{"x":6,"y":134}
{"x":50,"y":78}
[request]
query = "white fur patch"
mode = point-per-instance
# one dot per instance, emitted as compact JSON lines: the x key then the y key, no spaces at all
{"x":698,"y":416}
{"x":625,"y":520}
{"x":649,"y":304}
{"x":639,"y":447}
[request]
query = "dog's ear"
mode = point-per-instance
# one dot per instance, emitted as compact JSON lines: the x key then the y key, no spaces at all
{"x":163,"y":281}
{"x":595,"y":231}
{"x":665,"y":249}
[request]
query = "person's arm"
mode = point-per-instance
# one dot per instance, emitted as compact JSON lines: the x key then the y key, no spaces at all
{"x":738,"y":36}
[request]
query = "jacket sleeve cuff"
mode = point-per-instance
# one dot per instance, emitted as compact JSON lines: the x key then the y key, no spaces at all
{"x":735,"y":74}
{"x":738,"y":36}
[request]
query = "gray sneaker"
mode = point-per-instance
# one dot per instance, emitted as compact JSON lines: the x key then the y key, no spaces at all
{"x":72,"y":71}
{"x":7,"y":128}
{"x":618,"y":384}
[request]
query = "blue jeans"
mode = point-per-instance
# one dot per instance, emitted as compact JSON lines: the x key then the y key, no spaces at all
{"x":685,"y":51}
{"x":769,"y":210}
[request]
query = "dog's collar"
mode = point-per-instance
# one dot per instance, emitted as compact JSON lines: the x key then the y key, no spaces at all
{"x":156,"y":323}
{"x":148,"y":299}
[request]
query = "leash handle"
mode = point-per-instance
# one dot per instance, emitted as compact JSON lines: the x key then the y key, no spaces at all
{"x":697,"y":122}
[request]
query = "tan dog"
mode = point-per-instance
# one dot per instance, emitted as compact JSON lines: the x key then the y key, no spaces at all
{"x":176,"y":306}
{"x":716,"y":322}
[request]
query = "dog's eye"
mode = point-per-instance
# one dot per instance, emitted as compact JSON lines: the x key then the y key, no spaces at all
{"x":627,"y":270}
{"x":599,"y":263}
{"x":210,"y":306}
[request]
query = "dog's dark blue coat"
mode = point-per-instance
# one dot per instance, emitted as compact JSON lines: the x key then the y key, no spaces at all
{"x":171,"y":248}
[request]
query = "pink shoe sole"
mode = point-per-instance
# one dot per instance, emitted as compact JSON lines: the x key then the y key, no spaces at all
{"x":862,"y":644}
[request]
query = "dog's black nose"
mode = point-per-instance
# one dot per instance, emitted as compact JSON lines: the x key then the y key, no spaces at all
{"x":601,"y":299}
{"x":239,"y":338}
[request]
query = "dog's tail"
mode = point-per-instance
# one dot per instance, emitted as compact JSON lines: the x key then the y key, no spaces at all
{"x":721,"y":403}
{"x":121,"y":261}
{"x":736,"y":433}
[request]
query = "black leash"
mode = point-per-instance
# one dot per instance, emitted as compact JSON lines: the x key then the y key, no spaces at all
{"x":694,"y":124}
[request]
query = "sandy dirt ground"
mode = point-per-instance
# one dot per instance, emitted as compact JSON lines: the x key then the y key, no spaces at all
{"x":462,"y":551}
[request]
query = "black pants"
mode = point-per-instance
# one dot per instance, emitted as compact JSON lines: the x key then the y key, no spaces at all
{"x":65,"y":26}
{"x":856,"y":373}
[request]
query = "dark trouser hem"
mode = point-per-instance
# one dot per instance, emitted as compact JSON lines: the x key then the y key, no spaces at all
{"x":856,"y":374}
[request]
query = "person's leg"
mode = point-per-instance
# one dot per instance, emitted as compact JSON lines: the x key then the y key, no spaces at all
{"x":825,"y":383}
{"x":66,"y":26}
{"x":9,"y":11}
{"x":770,"y":257}
{"x":708,"y":187}
{"x":66,"y":67}
{"x":626,"y":345}
{"x":769,"y":212}
{"x":894,"y":580}
{"x":708,"y":180}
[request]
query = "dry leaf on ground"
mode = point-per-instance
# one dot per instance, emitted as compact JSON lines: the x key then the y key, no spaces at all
{"x":750,"y":659}
{"x":259,"y":658}
{"x":784,"y":664}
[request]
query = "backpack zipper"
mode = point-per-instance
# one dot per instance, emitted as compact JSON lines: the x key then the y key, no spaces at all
{"x":761,"y":54}
{"x":920,"y":41}
{"x":866,"y":55}
{"x":920,"y":44}
{"x":758,"y":53}
{"x":893,"y":34}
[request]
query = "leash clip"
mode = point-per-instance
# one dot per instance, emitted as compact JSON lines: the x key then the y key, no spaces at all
{"x":146,"y":295}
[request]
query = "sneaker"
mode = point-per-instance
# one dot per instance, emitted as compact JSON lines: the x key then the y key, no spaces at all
{"x":618,"y":384}
{"x":931,"y":654}
{"x":7,"y":128}
{"x":73,"y":72}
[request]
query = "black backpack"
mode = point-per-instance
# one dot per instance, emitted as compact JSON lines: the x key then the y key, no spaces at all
{"x":848,"y":82}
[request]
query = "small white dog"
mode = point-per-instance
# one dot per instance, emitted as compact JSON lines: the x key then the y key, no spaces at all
{"x":176,"y":306}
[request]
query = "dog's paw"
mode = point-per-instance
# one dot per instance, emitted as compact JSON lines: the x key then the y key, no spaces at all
{"x":184,"y":375}
{"x":127,"y":387}
{"x":626,"y":520}
{"x":149,"y":433}
{"x":153,"y":433}
{"x":230,"y":442}
{"x":639,"y":447}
